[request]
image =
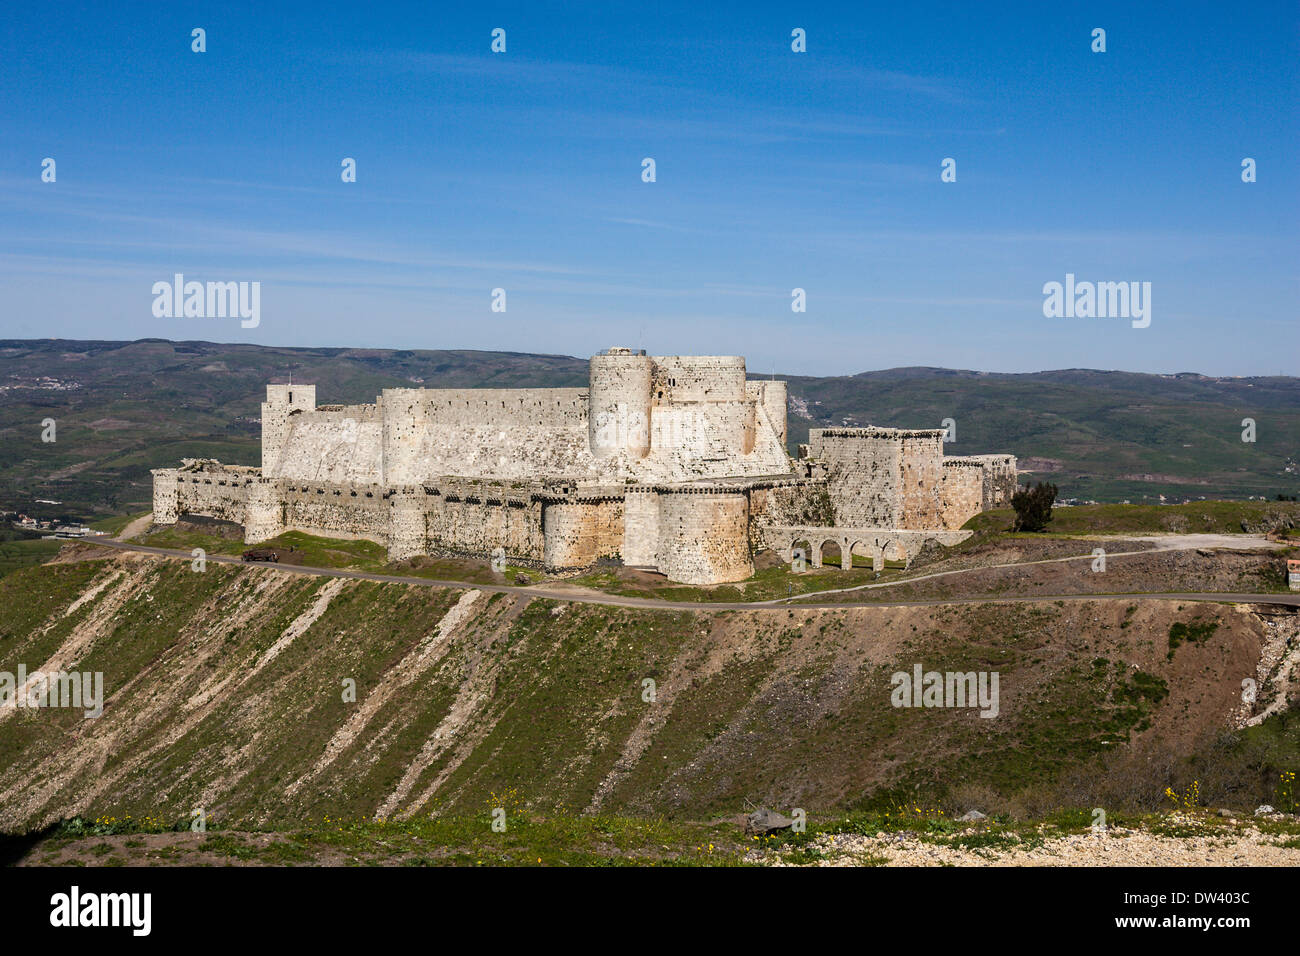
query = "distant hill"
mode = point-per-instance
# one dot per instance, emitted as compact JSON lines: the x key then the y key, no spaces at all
{"x":122,"y":408}
{"x":1107,"y":436}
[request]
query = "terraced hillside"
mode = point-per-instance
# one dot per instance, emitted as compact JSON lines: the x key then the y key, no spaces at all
{"x":227,"y":690}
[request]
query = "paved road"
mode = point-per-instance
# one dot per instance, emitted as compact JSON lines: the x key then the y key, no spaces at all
{"x":781,"y":604}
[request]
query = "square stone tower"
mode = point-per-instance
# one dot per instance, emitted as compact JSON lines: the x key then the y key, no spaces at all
{"x":281,"y":402}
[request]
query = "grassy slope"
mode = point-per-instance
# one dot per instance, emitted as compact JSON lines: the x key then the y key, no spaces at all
{"x":1198,"y":517}
{"x":539,"y":702}
{"x":22,"y":554}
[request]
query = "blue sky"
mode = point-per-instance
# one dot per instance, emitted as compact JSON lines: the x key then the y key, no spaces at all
{"x":775,"y":170}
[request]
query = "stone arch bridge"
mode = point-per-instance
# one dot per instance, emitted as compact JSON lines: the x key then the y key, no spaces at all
{"x":878,"y":544}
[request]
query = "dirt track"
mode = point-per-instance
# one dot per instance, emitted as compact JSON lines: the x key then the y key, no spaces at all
{"x":590,"y":597}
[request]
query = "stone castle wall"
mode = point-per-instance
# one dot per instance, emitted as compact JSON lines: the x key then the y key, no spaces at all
{"x":215,"y":497}
{"x":459,"y":524}
{"x":704,"y":536}
{"x":643,"y":419}
{"x":900,"y":478}
{"x":703,"y":433}
{"x":281,"y":402}
{"x":331,"y":510}
{"x":334,"y":444}
{"x":641,"y":528}
{"x":676,"y":463}
{"x":773,"y":399}
{"x":864,"y":474}
{"x":521,"y":434}
{"x":921,"y":479}
{"x":698,"y":378}
{"x":793,"y":502}
{"x":962,"y":490}
{"x":264,"y":510}
{"x":213,"y":492}
{"x":1000,"y":480}
{"x":619,"y":399}
{"x":578,"y":534}
{"x":976,"y":483}
{"x":408,"y":524}
{"x":165,"y":507}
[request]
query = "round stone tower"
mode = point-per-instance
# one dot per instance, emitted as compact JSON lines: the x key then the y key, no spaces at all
{"x":704,"y":535}
{"x":263,"y":510}
{"x":618,"y":403}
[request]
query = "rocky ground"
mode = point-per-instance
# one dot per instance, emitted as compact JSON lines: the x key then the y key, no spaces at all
{"x":1196,"y":838}
{"x":1177,"y":840}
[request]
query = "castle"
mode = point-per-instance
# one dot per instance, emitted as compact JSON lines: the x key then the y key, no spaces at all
{"x":670,"y":463}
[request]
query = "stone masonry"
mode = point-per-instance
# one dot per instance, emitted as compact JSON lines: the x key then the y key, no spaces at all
{"x":675,"y":464}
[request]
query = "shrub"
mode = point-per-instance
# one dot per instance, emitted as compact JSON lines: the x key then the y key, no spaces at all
{"x":1191,"y":632}
{"x":1033,"y":506}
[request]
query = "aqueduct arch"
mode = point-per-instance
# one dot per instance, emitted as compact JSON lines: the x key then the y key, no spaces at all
{"x":878,"y":544}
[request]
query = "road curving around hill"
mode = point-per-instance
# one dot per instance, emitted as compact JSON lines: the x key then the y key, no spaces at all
{"x":804,"y":601}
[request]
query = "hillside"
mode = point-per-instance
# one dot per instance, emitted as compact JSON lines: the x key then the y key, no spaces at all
{"x":1106,"y":436}
{"x":122,"y":408}
{"x":225,"y":690}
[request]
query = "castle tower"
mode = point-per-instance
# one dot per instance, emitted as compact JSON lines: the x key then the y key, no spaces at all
{"x":704,"y":535}
{"x":702,"y":406}
{"x":618,"y":403}
{"x":405,"y":415}
{"x":281,"y":402}
{"x":165,"y":499}
{"x":263,"y":510}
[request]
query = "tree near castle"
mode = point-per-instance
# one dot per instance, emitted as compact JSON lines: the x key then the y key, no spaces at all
{"x":1033,"y":506}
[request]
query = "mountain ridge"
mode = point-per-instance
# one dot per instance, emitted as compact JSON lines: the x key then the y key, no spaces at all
{"x":122,"y":408}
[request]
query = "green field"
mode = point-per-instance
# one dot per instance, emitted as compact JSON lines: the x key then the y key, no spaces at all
{"x":22,"y":554}
{"x":1198,"y":517}
{"x":116,"y":524}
